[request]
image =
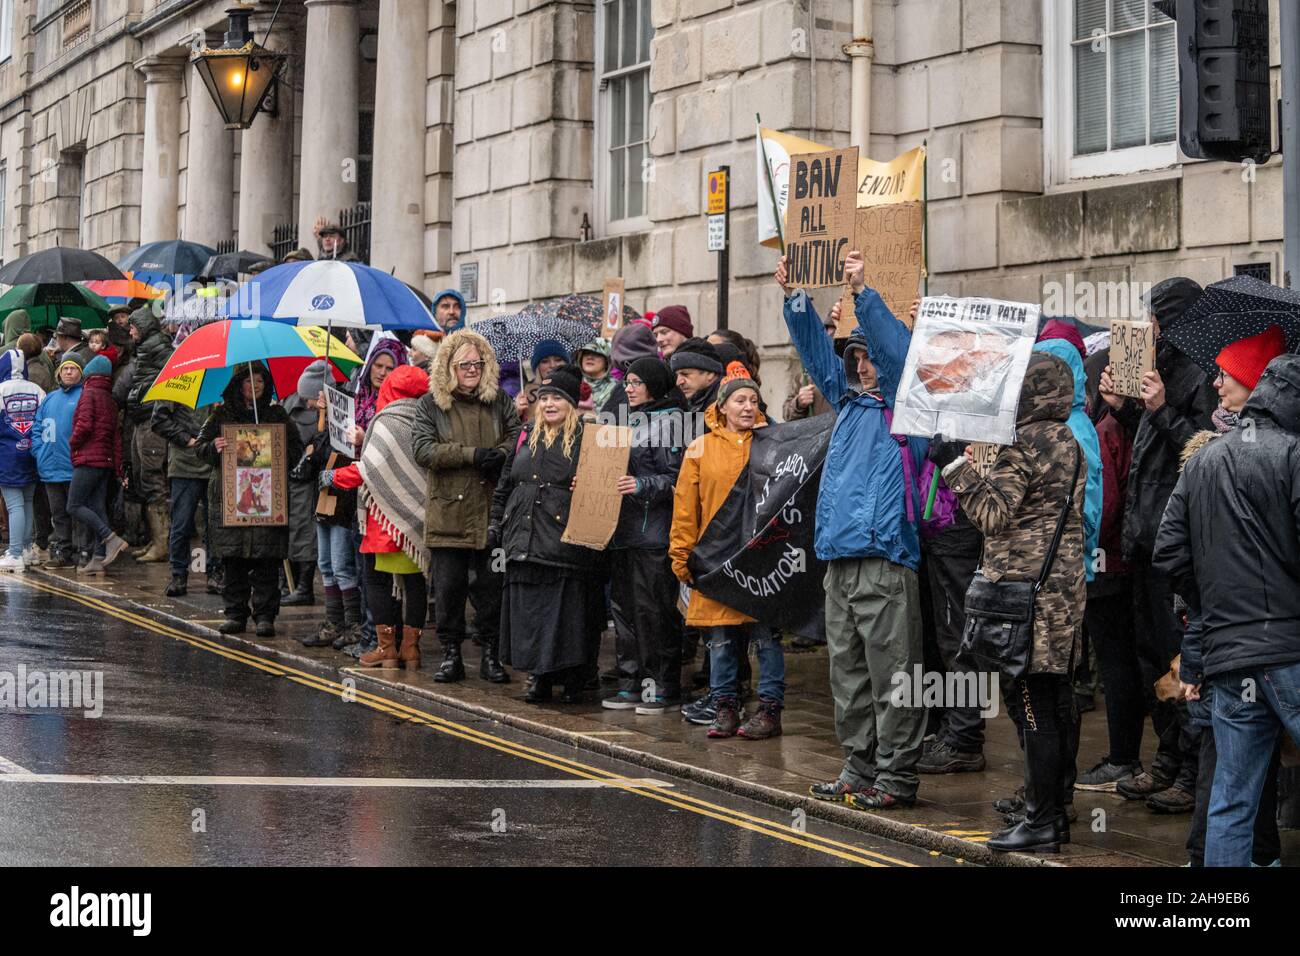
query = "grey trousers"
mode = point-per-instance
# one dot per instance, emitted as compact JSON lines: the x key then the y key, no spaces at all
{"x":873,"y":631}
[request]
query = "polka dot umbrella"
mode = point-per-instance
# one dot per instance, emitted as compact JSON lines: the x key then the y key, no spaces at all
{"x":1231,"y":310}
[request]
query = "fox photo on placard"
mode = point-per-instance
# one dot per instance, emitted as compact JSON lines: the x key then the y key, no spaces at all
{"x":253,"y":474}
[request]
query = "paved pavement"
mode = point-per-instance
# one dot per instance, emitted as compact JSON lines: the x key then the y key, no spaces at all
{"x":953,"y":813}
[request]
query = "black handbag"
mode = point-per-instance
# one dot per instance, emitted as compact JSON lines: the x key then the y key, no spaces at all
{"x":999,"y":632}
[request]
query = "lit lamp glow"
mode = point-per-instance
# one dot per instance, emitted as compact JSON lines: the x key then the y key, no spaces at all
{"x":239,"y":73}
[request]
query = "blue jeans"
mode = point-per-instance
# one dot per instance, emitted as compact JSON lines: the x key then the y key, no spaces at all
{"x":724,"y":662}
{"x":335,"y":557}
{"x":186,"y":493}
{"x":88,"y":501}
{"x":368,"y":637}
{"x":1250,"y":707}
{"x":20,"y":503}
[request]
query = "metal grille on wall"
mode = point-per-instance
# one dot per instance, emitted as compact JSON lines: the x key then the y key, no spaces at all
{"x":225,"y":246}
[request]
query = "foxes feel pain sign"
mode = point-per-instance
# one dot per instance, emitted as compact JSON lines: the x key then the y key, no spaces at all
{"x":821,"y":217}
{"x":1132,"y":355}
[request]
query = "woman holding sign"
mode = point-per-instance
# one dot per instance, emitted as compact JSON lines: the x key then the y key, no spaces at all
{"x":544,"y":614}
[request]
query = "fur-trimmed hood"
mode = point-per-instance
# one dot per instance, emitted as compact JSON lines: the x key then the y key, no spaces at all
{"x":442,"y":380}
{"x":1195,"y":444}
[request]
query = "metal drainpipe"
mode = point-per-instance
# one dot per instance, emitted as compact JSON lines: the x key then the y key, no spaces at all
{"x":812,"y":69}
{"x":860,"y":51}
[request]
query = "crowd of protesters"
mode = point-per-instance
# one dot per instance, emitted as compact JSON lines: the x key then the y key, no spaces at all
{"x":1162,"y":531}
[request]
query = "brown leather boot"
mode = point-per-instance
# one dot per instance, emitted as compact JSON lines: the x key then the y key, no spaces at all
{"x":385,"y":655}
{"x":160,"y":522}
{"x":409,"y":653}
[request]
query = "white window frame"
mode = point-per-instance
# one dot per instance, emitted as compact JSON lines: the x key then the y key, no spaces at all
{"x":602,"y":225}
{"x":6,"y":29}
{"x":1061,"y":166}
{"x":4,"y":209}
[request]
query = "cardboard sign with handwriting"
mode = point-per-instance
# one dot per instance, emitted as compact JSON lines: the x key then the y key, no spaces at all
{"x":985,"y":454}
{"x":820,"y":218}
{"x":889,"y":237}
{"x":1132,"y":355}
{"x":594,"y":509}
{"x":613,"y":299}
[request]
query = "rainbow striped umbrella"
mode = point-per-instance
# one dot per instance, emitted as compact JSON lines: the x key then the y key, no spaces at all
{"x":201,"y":367}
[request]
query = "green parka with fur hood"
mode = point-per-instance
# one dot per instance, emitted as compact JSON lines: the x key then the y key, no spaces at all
{"x":450,"y":426}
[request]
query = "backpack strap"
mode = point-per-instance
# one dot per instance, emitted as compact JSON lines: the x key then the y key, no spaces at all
{"x":909,"y":478}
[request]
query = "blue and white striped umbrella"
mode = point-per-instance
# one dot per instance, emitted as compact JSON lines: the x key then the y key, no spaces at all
{"x":330,"y":293}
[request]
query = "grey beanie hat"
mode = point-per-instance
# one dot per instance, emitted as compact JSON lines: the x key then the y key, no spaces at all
{"x":312,"y":381}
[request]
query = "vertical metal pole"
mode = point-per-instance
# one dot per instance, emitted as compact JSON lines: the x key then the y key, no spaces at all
{"x":724,"y":265}
{"x":925,"y":225}
{"x":1289,"y":34}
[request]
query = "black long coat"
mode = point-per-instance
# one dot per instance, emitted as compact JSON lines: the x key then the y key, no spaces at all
{"x":531,"y":504}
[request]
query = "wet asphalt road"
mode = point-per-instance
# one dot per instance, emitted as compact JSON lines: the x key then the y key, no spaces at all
{"x":174,"y":710}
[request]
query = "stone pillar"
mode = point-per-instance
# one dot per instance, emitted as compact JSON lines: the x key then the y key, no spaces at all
{"x":160,"y":197}
{"x":266,"y":149}
{"x":210,"y":173}
{"x":397,"y":233}
{"x":328,"y":177}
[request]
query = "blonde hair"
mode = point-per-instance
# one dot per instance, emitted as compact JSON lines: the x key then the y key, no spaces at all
{"x":463,"y":349}
{"x":568,"y":428}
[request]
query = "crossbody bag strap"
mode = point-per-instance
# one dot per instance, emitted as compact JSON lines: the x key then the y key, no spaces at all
{"x":1060,"y":523}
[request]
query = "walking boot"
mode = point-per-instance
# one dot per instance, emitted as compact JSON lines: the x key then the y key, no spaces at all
{"x":452,"y":668}
{"x":489,"y":664}
{"x":265,"y":627}
{"x":1039,"y":830}
{"x":333,"y":620}
{"x":350,"y":631}
{"x":766,"y":722}
{"x":178,"y":587}
{"x":233,"y":625}
{"x":385,"y":655}
{"x":160,"y":523}
{"x":304,"y":592}
{"x":409,"y":652}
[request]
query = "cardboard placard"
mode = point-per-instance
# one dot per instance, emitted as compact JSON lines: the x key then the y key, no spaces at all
{"x":985,"y":454}
{"x":613,"y":311}
{"x":848,"y":318}
{"x":1132,"y":355}
{"x":327,"y":502}
{"x":341,"y":411}
{"x":889,"y":237}
{"x":594,"y":509}
{"x":820,"y":220}
{"x":254,"y":475}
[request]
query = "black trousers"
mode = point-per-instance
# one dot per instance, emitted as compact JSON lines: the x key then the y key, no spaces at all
{"x":1108,"y":619}
{"x":255,"y":579}
{"x":647,"y":624}
{"x":1268,"y":842}
{"x":948,"y":575}
{"x":1158,"y":639}
{"x":1045,"y":703}
{"x":386,"y":609}
{"x":452,"y":569}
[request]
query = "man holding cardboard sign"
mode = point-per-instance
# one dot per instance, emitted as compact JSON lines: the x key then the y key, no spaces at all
{"x":821,"y":218}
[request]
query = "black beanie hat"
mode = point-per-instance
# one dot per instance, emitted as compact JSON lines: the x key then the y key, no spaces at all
{"x":696,"y":353}
{"x":655,"y":373}
{"x":565,"y":381}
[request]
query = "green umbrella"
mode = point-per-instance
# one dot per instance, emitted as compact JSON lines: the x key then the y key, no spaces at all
{"x":46,"y":302}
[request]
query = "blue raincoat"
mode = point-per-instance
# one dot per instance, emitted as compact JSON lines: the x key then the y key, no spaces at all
{"x":1086,"y":435}
{"x":865,"y":507}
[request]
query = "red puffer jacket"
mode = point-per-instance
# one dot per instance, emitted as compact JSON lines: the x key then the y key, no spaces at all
{"x":96,"y":435}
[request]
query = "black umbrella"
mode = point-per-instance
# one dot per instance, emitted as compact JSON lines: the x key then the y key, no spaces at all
{"x":230,"y":265}
{"x":1232,"y":310}
{"x":59,"y":264}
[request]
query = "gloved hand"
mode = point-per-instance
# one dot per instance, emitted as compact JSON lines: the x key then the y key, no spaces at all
{"x":326,"y":479}
{"x":493,"y":537}
{"x":943,"y":452}
{"x":489,"y":460}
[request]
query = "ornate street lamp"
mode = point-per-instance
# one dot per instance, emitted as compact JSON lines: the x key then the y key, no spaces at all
{"x":240,"y":72}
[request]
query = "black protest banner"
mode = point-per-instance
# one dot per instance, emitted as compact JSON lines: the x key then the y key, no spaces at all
{"x":756,"y":555}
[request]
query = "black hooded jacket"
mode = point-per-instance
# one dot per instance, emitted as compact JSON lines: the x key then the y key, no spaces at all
{"x":660,"y":434}
{"x":1159,"y":437}
{"x":1230,"y":538}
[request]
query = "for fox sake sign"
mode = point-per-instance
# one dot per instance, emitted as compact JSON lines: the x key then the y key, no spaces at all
{"x":821,"y":217}
{"x":1132,"y":355}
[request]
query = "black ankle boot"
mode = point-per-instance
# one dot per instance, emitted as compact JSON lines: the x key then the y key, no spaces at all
{"x":489,"y":666}
{"x":539,"y":690}
{"x":452,"y":668}
{"x":304,"y":592}
{"x":178,"y":587}
{"x":1038,"y":831}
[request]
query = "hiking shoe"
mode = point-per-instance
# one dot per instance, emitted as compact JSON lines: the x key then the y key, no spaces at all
{"x":700,"y":712}
{"x":322,"y":638}
{"x":265,"y":629}
{"x":765,"y":723}
{"x":32,"y":556}
{"x":232,"y":625}
{"x":943,"y":757}
{"x":177,"y":588}
{"x":656,"y":706}
{"x":836,"y":791}
{"x":621,"y":700}
{"x":1143,"y":785}
{"x":727,"y":722}
{"x":873,"y":799}
{"x":1175,"y":799}
{"x":1104,"y":777}
{"x":60,"y":561}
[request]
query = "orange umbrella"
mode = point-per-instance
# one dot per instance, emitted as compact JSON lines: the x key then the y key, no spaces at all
{"x":124,"y":290}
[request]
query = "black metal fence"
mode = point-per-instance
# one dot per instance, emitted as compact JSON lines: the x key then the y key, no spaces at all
{"x":226,"y":246}
{"x":284,"y":240}
{"x":354,"y":222}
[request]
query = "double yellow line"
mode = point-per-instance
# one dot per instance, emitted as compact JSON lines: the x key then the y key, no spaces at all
{"x":682,"y":801}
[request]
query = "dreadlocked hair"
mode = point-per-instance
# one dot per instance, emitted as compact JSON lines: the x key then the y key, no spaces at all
{"x":568,"y":428}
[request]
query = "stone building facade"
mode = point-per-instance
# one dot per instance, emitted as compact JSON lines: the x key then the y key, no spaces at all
{"x":523,"y":149}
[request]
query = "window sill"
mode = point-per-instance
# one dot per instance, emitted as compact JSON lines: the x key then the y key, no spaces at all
{"x":1115,"y":179}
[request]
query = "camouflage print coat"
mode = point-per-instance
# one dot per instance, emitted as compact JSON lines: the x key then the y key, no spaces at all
{"x":1017,"y":506}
